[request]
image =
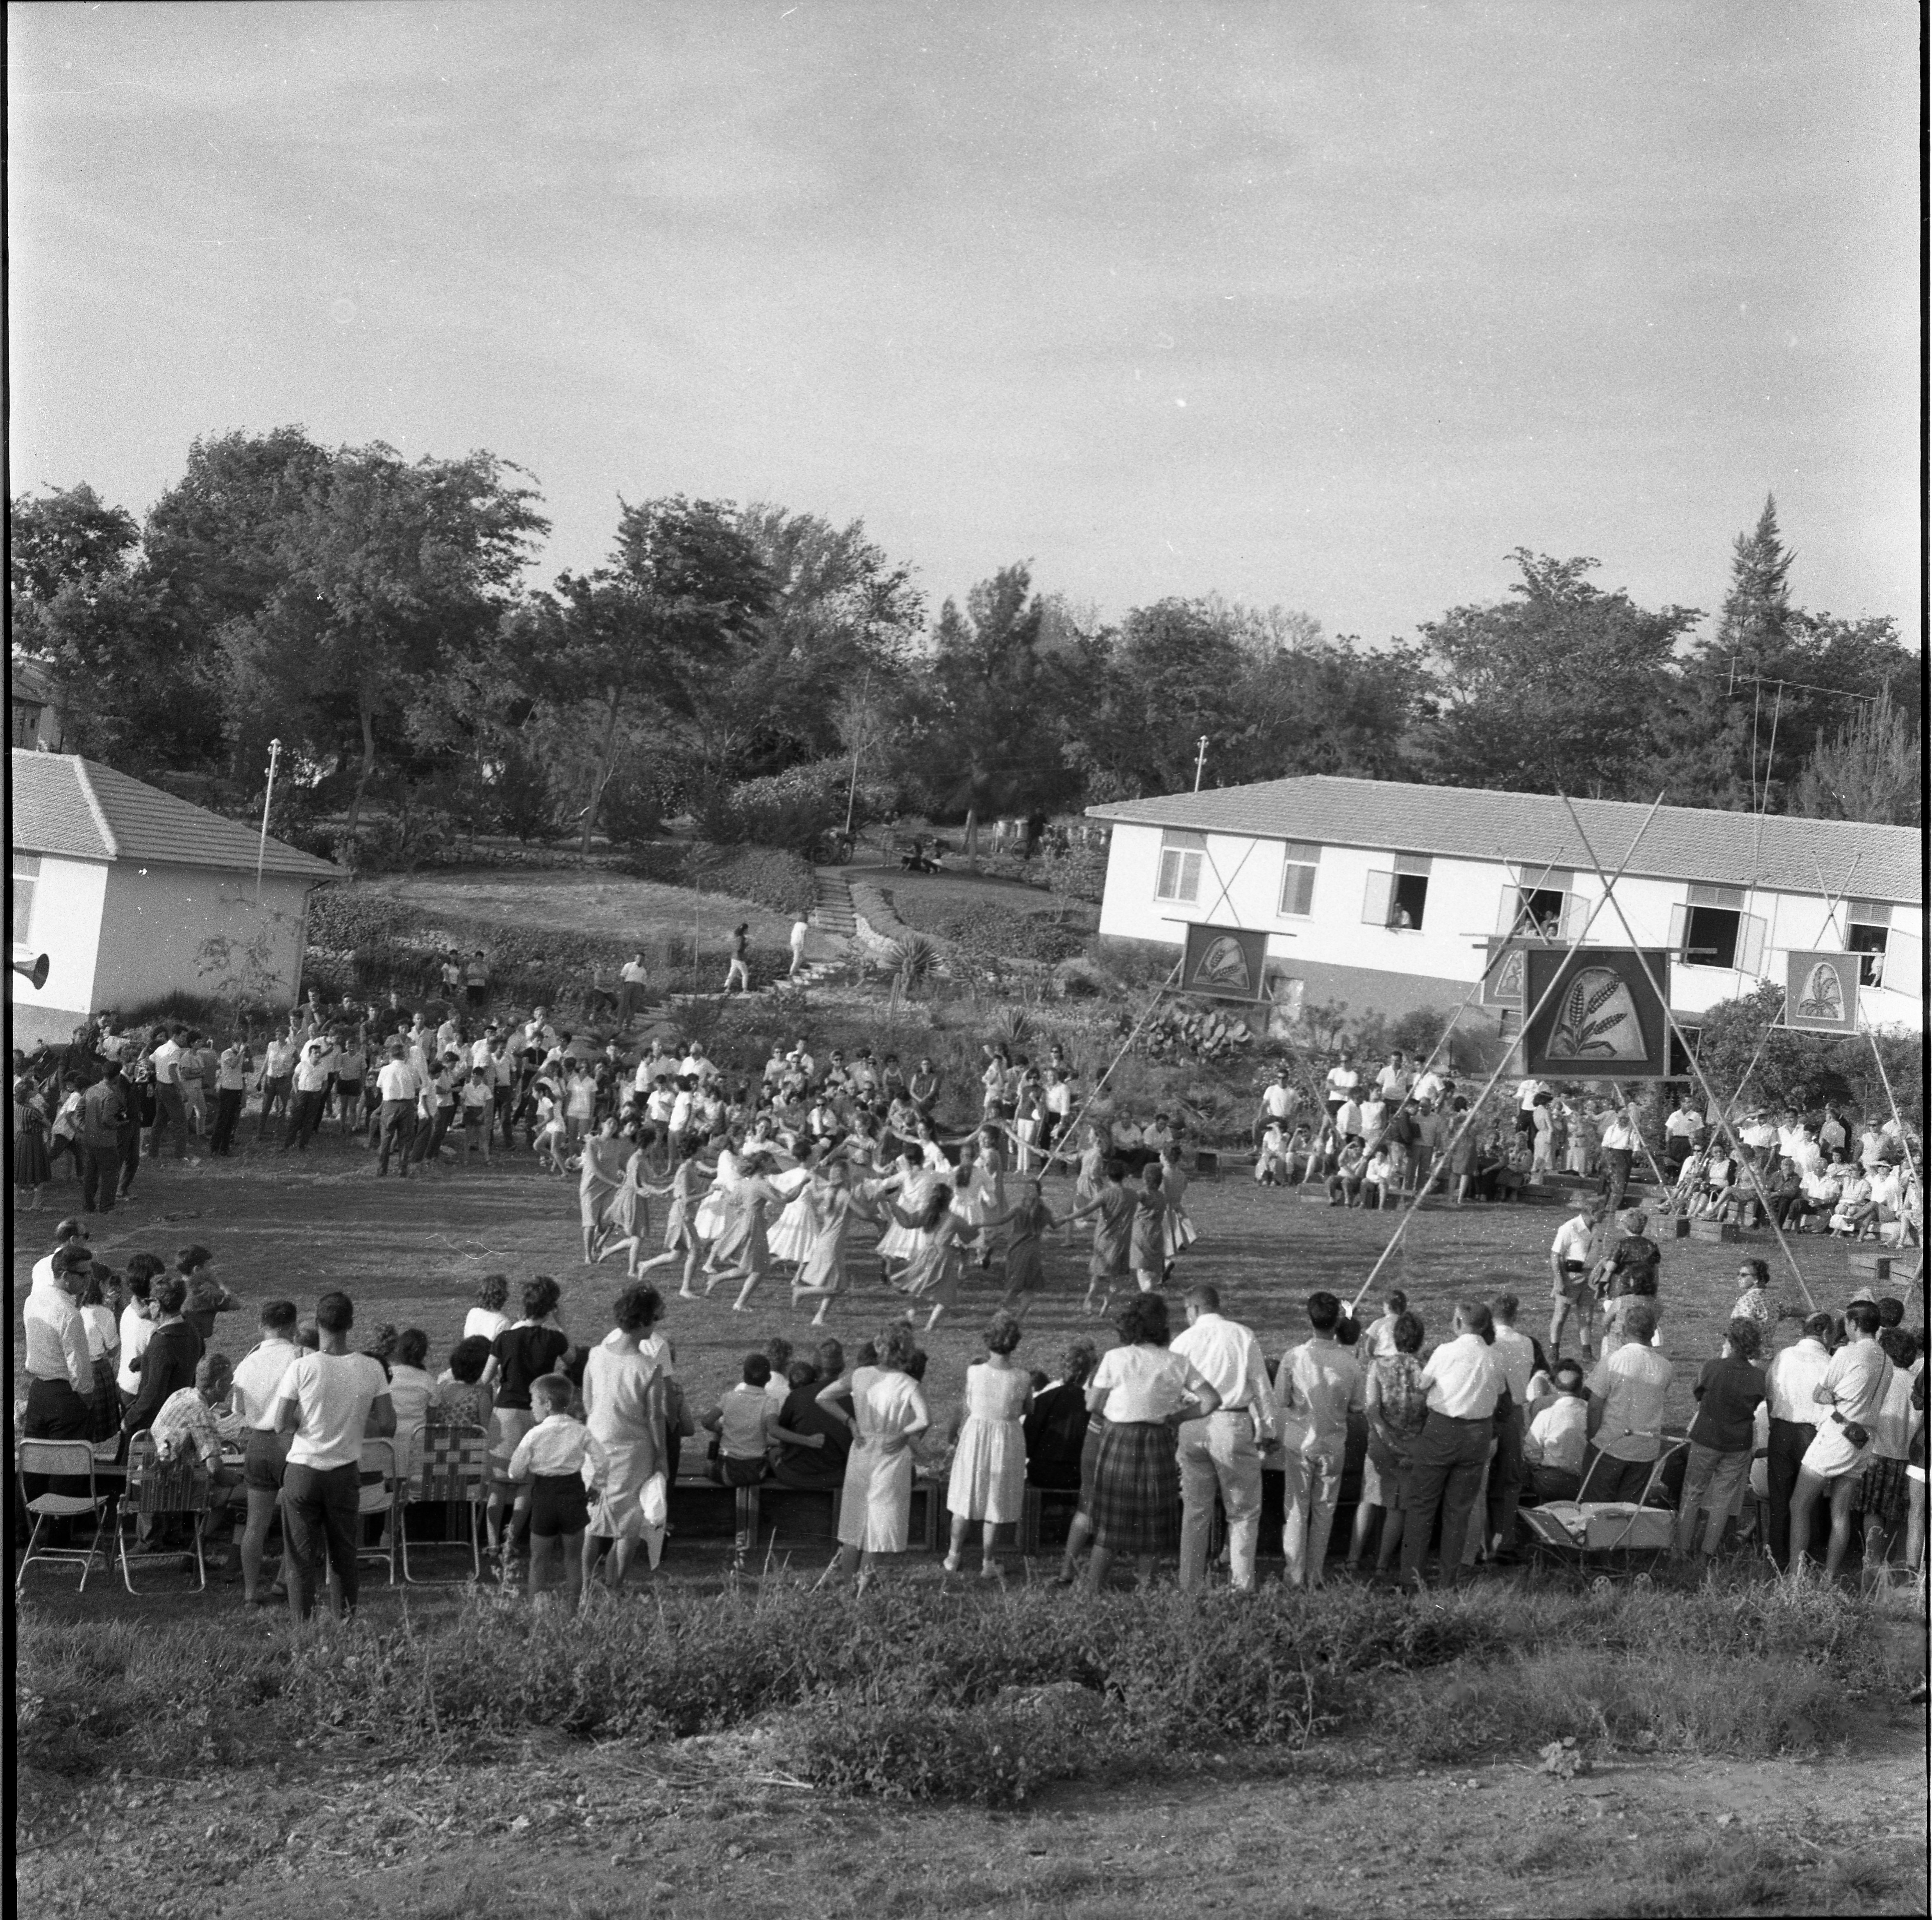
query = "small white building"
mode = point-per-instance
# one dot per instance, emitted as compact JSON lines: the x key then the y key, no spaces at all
{"x":1386,"y":894}
{"x":133,"y":895}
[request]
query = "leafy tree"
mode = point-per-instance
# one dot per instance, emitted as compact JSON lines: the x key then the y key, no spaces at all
{"x":390,"y":570}
{"x":1550,"y":691}
{"x":618,"y":657}
{"x":1871,"y":769}
{"x":67,"y":536}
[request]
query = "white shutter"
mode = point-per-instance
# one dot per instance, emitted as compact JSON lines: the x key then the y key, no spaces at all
{"x":1576,"y":911}
{"x":1680,"y":930}
{"x":1376,"y":900}
{"x":1750,"y":946}
{"x":1904,"y":968}
{"x":1507,"y":908}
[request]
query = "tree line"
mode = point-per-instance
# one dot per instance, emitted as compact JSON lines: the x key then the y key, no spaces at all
{"x":375,"y":615}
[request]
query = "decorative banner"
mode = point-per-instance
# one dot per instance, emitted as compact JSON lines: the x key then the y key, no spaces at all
{"x":1226,"y":963}
{"x":1821,"y":992}
{"x":1603,"y":1021}
{"x":1502,"y":974}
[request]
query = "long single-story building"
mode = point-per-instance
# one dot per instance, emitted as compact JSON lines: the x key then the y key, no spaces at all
{"x":133,"y":895}
{"x":1390,"y":895}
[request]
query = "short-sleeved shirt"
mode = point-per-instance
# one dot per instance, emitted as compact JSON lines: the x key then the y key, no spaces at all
{"x":333,"y":1392}
{"x":1145,"y":1383}
{"x":1633,"y":1383}
{"x":524,"y":1354}
{"x":1728,"y":1393}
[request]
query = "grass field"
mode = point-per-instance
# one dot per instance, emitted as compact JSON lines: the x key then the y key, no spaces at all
{"x":1429,"y":1798}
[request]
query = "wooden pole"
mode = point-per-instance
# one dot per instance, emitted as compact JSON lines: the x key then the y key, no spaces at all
{"x":1697,"y":1065}
{"x":1528,"y":1018}
{"x":1057,"y":1151}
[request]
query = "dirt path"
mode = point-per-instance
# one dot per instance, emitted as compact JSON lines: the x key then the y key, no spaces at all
{"x":574,"y":1833}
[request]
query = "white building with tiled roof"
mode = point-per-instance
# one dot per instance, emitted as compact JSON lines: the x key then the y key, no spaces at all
{"x":1386,"y":894}
{"x":133,"y":895}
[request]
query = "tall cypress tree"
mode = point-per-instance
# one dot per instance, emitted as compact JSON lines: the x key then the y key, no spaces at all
{"x":1756,"y":618}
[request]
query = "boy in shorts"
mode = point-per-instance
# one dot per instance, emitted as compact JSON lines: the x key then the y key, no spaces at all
{"x":547,"y":1469}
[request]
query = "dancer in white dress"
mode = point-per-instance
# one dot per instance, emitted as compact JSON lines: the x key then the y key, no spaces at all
{"x":988,"y":1480}
{"x":916,"y":1186}
{"x":888,"y":1413}
{"x":714,"y":1211}
{"x":792,"y":1232}
{"x":1178,"y":1227}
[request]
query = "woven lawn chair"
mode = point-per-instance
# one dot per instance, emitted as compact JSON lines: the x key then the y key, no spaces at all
{"x":454,"y":1473}
{"x":378,"y":1494}
{"x":160,"y":1490}
{"x":61,"y":1460}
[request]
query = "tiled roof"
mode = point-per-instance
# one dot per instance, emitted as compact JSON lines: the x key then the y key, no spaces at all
{"x":63,"y":804}
{"x":1773,"y":850}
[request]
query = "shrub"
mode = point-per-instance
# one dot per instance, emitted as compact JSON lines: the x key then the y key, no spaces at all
{"x":991,"y":1756}
{"x":774,"y":876}
{"x":1074,"y":873}
{"x":987,"y":936}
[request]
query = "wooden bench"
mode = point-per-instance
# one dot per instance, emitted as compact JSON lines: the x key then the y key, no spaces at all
{"x":1871,"y":1262}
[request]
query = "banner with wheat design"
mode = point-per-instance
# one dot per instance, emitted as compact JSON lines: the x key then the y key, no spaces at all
{"x":1599,"y":1017}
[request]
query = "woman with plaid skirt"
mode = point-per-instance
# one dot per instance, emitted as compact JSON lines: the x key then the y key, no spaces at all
{"x":1144,"y":1392}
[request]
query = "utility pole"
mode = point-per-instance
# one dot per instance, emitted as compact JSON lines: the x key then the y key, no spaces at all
{"x":268,"y":799}
{"x":859,"y":741}
{"x":1200,"y":761}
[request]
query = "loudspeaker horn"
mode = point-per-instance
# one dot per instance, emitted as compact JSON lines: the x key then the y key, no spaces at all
{"x":37,"y":973}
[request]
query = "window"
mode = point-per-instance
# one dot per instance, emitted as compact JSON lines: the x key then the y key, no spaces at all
{"x":1869,"y":929}
{"x":1299,"y":861}
{"x":1396,"y":899}
{"x":1536,"y":906}
{"x":1712,"y":929}
{"x":26,"y":723}
{"x":1180,"y":857}
{"x":26,"y":875}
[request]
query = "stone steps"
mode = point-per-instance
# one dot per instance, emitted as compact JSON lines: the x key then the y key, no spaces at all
{"x":831,"y":908}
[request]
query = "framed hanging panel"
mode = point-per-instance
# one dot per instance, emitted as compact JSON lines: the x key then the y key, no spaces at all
{"x":1603,"y":1021}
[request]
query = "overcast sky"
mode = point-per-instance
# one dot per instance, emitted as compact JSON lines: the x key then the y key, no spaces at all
{"x":1327,"y":306}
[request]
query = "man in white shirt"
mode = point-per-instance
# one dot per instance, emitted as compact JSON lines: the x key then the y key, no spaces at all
{"x":1222,"y":1451}
{"x":632,"y":977}
{"x":1464,"y":1382}
{"x":1393,"y":1081}
{"x":1558,"y":1437}
{"x":1341,"y":1082}
{"x":1428,"y":1087}
{"x":331,"y":1401}
{"x":800,"y":930}
{"x":1681,"y":1131}
{"x":1619,"y":1146}
{"x":256,"y":1389}
{"x":1319,"y":1385}
{"x":1570,"y":1288}
{"x":1856,"y":1381}
{"x":311,"y":1093}
{"x":1348,"y":1120}
{"x":170,"y":1110}
{"x":1515,"y":1354}
{"x":1791,"y":1382}
{"x":399,"y":1085}
{"x":1277,"y":1103}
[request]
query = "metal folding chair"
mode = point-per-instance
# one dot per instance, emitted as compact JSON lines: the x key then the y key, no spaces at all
{"x":453,"y":1474}
{"x":377,"y":1494}
{"x":61,"y":1460}
{"x":160,"y":1490}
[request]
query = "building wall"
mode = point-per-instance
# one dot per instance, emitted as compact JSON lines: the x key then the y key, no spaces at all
{"x":1240,"y":886}
{"x":198,"y":931}
{"x":64,"y":924}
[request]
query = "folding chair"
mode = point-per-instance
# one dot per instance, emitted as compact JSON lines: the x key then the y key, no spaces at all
{"x":378,"y":1494}
{"x":161,"y":1490}
{"x":455,"y":1474}
{"x":61,"y":1460}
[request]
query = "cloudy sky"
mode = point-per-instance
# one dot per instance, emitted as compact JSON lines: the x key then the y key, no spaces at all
{"x":1327,"y":306}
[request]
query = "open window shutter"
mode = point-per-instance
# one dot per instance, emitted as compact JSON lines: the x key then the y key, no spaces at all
{"x":1190,"y":876}
{"x":1575,"y":913}
{"x":1750,"y":945}
{"x":1375,"y":900}
{"x":1904,"y":968}
{"x":1507,"y":909}
{"x":1680,"y":929}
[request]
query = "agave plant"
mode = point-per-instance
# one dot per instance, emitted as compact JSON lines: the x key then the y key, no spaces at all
{"x":916,"y":959}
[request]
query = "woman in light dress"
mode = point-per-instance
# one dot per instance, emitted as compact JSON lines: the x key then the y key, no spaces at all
{"x":712,"y":1219}
{"x":744,"y":1252}
{"x":889,"y":1412}
{"x":792,"y":1233}
{"x":824,"y":1274}
{"x":605,"y":1198}
{"x":989,"y":1479}
{"x":915,"y":1183}
{"x":978,"y":1186}
{"x":624,"y":1409}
